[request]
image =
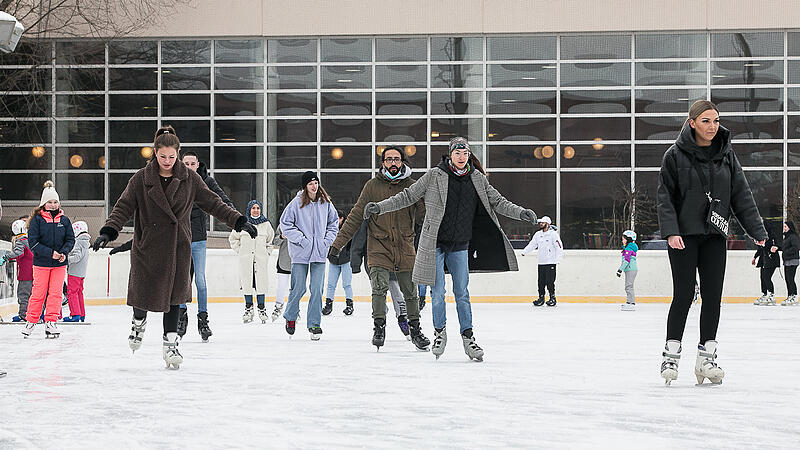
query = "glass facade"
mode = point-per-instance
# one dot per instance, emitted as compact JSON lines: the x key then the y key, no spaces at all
{"x":573,"y":126}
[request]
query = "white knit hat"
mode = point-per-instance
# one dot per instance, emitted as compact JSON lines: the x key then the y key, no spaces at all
{"x":79,"y":227}
{"x":49,"y":193}
{"x":19,"y":227}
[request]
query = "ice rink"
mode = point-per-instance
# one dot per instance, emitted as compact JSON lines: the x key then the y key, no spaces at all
{"x":575,"y":376}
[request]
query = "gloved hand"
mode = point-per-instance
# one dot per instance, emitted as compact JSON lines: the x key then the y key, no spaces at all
{"x":115,"y":250}
{"x":370,"y":209}
{"x":333,"y":252}
{"x":530,"y":216}
{"x":619,"y":273}
{"x":101,"y":242}
{"x":250,"y":229}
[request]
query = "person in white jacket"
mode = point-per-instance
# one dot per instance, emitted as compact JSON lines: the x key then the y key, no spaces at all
{"x":550,"y":251}
{"x":253,"y":257}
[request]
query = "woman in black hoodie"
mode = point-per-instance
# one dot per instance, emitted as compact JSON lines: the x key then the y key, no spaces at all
{"x":791,"y":259}
{"x":699,"y":171}
{"x":767,"y":259}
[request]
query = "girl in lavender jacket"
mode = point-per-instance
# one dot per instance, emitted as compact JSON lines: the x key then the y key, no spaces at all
{"x":310,"y":224}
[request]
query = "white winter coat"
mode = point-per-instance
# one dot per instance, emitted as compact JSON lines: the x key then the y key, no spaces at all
{"x":253,"y":257}
{"x":549,"y":245}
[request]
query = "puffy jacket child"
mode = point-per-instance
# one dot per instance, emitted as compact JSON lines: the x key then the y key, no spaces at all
{"x":629,"y":267}
{"x":78,"y":260}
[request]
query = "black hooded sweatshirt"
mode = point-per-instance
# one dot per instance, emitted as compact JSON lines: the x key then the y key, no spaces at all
{"x":791,"y":244}
{"x":199,"y":218}
{"x":682,"y":201}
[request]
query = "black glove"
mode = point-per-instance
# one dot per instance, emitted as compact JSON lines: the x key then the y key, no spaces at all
{"x":619,"y":273}
{"x":530,"y":216}
{"x":101,"y":242}
{"x":333,"y":252}
{"x":115,"y":250}
{"x":370,"y":209}
{"x":250,"y":229}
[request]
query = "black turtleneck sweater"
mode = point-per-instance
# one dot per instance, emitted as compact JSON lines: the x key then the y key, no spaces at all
{"x":455,"y":231}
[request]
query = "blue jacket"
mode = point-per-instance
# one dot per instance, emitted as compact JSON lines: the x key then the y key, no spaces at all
{"x":629,"y":258}
{"x":47,"y":234}
{"x":310,"y":230}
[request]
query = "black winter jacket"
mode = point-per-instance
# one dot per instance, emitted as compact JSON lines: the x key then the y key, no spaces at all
{"x":791,"y":245}
{"x":682,"y":201}
{"x":199,"y":217}
{"x":48,"y":233}
{"x":766,"y":258}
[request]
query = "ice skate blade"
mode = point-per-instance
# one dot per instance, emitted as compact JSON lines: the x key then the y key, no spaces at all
{"x":712,"y":381}
{"x":51,"y":336}
{"x":408,"y":338}
{"x":477,"y":359}
{"x":314,"y":337}
{"x":173,"y":366}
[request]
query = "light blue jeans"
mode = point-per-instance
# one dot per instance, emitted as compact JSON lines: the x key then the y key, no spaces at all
{"x":199,"y":263}
{"x":334,"y":270}
{"x":458,"y":265}
{"x":299,"y":274}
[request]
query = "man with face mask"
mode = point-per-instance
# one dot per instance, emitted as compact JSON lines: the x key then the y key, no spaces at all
{"x":550,"y":250}
{"x":390,"y":243}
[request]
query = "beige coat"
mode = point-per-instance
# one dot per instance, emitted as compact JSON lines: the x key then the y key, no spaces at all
{"x":253,"y":257}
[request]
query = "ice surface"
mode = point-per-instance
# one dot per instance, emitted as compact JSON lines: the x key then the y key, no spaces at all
{"x":577,"y":376}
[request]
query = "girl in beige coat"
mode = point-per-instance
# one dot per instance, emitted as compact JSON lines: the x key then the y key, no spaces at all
{"x":253,"y":258}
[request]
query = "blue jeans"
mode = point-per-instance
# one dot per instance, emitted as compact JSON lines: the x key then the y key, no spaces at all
{"x":199,"y":263}
{"x":299,"y":274}
{"x":334,"y":270}
{"x":423,"y":289}
{"x":458,"y":265}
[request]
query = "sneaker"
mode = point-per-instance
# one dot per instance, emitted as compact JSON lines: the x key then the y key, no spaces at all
{"x":28,"y":329}
{"x":628,"y":307}
{"x":51,"y":331}
{"x":316,"y":333}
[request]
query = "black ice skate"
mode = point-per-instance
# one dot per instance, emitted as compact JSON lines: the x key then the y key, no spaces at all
{"x":328,"y":308}
{"x":202,"y":326}
{"x":290,"y":327}
{"x":417,"y":338}
{"x":379,"y":333}
{"x":470,"y":347}
{"x":316,"y":333}
{"x":402,"y":322}
{"x":348,"y":309}
{"x":539,"y":301}
{"x":183,"y":321}
{"x":552,"y":301}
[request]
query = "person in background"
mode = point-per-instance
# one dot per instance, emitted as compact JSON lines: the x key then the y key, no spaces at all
{"x":22,"y":254}
{"x":284,"y":268}
{"x":791,"y":259}
{"x":78,"y":261}
{"x":629,"y":268}
{"x":339,"y":265}
{"x":253,"y":256}
{"x":550,"y":251}
{"x":767,"y":259}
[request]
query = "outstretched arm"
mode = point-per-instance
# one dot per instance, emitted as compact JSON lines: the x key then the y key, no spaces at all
{"x":407,"y":196}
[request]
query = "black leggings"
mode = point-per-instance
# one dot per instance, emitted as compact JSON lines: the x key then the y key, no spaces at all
{"x":170,"y":320}
{"x":791,"y":286}
{"x":766,"y":280}
{"x":547,"y":277}
{"x":704,"y":255}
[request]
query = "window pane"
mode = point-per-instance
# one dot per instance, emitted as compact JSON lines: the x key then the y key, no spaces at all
{"x":239,"y":51}
{"x":400,"y":130}
{"x":292,"y":50}
{"x":456,"y":76}
{"x":517,"y":188}
{"x":650,"y":155}
{"x":92,"y":105}
{"x":456,"y":102}
{"x":203,"y":153}
{"x":28,"y":52}
{"x":521,"y":48}
{"x":186,"y":78}
{"x":401,"y":49}
{"x":794,"y":44}
{"x":80,"y":158}
{"x":22,"y":186}
{"x":520,"y":156}
{"x":19,"y":106}
{"x":594,"y":101}
{"x":646,"y":210}
{"x":401,"y":76}
{"x":667,"y":100}
{"x":754,"y":127}
{"x":595,"y":74}
{"x":24,"y":132}
{"x":185,"y":105}
{"x":293,"y":104}
{"x":185,"y":52}
{"x":239,"y":130}
{"x":596,"y":47}
{"x":294,"y":157}
{"x":83,"y":131}
{"x":794,"y":72}
{"x":26,"y":79}
{"x":342,"y":157}
{"x":132,"y":79}
{"x":596,"y":155}
{"x":746,"y":44}
{"x":347,"y":130}
{"x":748,"y":100}
{"x":127,"y":157}
{"x":133,"y":131}
{"x":794,"y":99}
{"x":293,"y":130}
{"x":416,"y":155}
{"x":456,"y":49}
{"x":239,"y":104}
{"x":521,"y":102}
{"x":670,"y":45}
{"x":747,"y":72}
{"x":239,"y":78}
{"x":80,"y":79}
{"x":80,"y":186}
{"x":24,"y":158}
{"x":793,"y":155}
{"x":401,"y":103}
{"x":346,"y":103}
{"x":344,"y":187}
{"x":133,"y":105}
{"x":521,"y":75}
{"x":793,"y":125}
{"x":767,"y":154}
{"x":670,"y":73}
{"x":133,"y":52}
{"x":346,"y":77}
{"x":663,"y":127}
{"x":521,"y":129}
{"x":590,"y":128}
{"x":588,"y":212}
{"x":80,"y":52}
{"x":447,"y":128}
{"x":292,"y":77}
{"x":439,"y":151}
{"x":226,"y":157}
{"x":767,"y":188}
{"x":241,"y":188}
{"x":341,"y":50}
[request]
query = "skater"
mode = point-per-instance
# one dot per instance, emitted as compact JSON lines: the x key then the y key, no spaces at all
{"x":767,"y":259}
{"x":159,"y":198}
{"x":253,"y":256}
{"x":78,"y":260}
{"x":51,"y":239}
{"x":390,"y":243}
{"x":791,"y":259}
{"x":22,"y":254}
{"x":550,"y":251}
{"x":701,"y":183}
{"x":339,"y":265}
{"x":461,"y":230}
{"x":199,"y":221}
{"x":284,"y":267}
{"x":629,"y":267}
{"x":309,"y":223}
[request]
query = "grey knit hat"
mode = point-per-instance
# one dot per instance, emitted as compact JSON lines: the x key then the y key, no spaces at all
{"x":458,"y":143}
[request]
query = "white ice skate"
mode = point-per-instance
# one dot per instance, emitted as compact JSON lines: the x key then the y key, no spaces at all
{"x":170,"y":351}
{"x":262,"y":314}
{"x":26,"y":332}
{"x":277,"y":311}
{"x":706,"y":366}
{"x":248,"y":314}
{"x":439,"y":342}
{"x":51,"y":331}
{"x":669,"y":365}
{"x":760,"y":300}
{"x":137,"y":333}
{"x":628,"y":307}
{"x":471,"y":348}
{"x":790,"y":301}
{"x":770,"y":301}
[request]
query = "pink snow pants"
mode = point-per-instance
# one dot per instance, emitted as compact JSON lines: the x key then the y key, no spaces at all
{"x":46,"y":279}
{"x":75,"y":296}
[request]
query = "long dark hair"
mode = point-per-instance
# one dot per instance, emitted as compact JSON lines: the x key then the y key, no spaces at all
{"x":322,"y":196}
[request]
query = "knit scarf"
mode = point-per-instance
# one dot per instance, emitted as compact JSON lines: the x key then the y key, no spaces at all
{"x":458,"y":172}
{"x":259,"y":219}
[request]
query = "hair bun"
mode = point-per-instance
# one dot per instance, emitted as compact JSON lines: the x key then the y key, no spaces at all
{"x":49,"y":184}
